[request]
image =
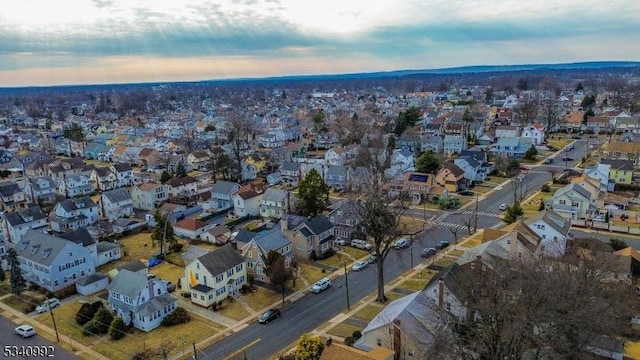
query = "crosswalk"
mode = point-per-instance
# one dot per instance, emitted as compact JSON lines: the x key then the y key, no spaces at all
{"x":482,"y":213}
{"x":452,"y":225}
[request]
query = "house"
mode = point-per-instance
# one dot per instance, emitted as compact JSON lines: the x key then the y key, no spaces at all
{"x":621,"y":171}
{"x":92,"y":283}
{"x":576,"y":201}
{"x":535,"y":132}
{"x":451,"y":177}
{"x":103,"y":179}
{"x":402,"y":159}
{"x":454,"y":144}
{"x":335,"y":156}
{"x":51,"y":262}
{"x":115,"y":204}
{"x":621,"y":150}
{"x":433,"y":143}
{"x":246,"y":201}
{"x":416,"y":185}
{"x":600,"y":173}
{"x":213,"y":277}
{"x":290,"y":173}
{"x":182,"y":186}
{"x":255,"y":252}
{"x":274,"y":203}
{"x":274,"y":178}
{"x":218,"y":235}
{"x":139,"y":300}
{"x":150,"y":158}
{"x":337,"y":351}
{"x":124,"y":174}
{"x":311,"y":237}
{"x":336,"y":177}
{"x":71,"y":214}
{"x":12,"y":197}
{"x":506,"y":131}
{"x":407,"y":326}
{"x":190,"y":228}
{"x":103,"y":252}
{"x":553,"y":229}
{"x":513,"y":147}
{"x":75,"y":185}
{"x":149,"y":196}
{"x":325,"y":140}
{"x":17,"y":223}
{"x":345,"y":215}
{"x":249,"y":171}
{"x":199,"y":159}
{"x":258,"y":162}
{"x":40,"y":190}
{"x":222,"y":194}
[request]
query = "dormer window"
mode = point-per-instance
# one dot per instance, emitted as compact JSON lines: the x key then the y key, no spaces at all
{"x":46,"y":253}
{"x":35,"y":249}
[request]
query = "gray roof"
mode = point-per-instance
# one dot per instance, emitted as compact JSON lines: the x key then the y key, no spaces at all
{"x":134,"y":265}
{"x":33,"y":213}
{"x":276,"y":195}
{"x":80,"y":236}
{"x":218,"y":261}
{"x":128,"y":283}
{"x":319,"y":224}
{"x":245,"y":235}
{"x":618,"y":164}
{"x":290,"y":166}
{"x":155,"y":304}
{"x":40,"y":248}
{"x":224,"y":187}
{"x":35,"y":183}
{"x":272,"y":240}
{"x":117,"y":195}
{"x":78,"y":203}
{"x":122,"y":167}
{"x":337,"y":170}
{"x":8,"y":189}
{"x":90,"y":279}
{"x":106,"y":246}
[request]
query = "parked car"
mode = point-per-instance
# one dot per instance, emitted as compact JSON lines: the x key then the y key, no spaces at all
{"x":269,"y":315}
{"x":25,"y":331}
{"x":359,"y":265}
{"x":570,"y":147}
{"x":47,"y":305}
{"x":321,"y":285}
{"x":548,"y":160}
{"x":372,"y":259}
{"x":524,"y":168}
{"x":171,"y":287}
{"x":341,"y":242}
{"x":503,"y":206}
{"x":442,"y":244}
{"x":465,"y":192}
{"x":401,"y":243}
{"x":567,"y":158}
{"x":360,"y":244}
{"x":428,"y":252}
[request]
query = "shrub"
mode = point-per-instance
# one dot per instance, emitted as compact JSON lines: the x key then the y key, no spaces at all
{"x":542,"y":206}
{"x":103,"y":319}
{"x":545,"y":188}
{"x":251,"y":279}
{"x":356,"y":334}
{"x":90,"y":329}
{"x":177,"y":247}
{"x":87,"y":312}
{"x":178,"y":316}
{"x":117,"y":329}
{"x":349,"y":341}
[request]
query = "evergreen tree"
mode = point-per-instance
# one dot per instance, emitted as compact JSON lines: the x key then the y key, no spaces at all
{"x":18,"y":284}
{"x":428,"y":162}
{"x":512,"y":213}
{"x":2,"y":275}
{"x":279,"y":274}
{"x":180,"y":170}
{"x":102,"y":320}
{"x":313,"y":195}
{"x":117,"y":329}
{"x":531,"y":153}
{"x":165,"y":176}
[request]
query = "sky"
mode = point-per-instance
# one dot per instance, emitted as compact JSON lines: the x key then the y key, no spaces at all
{"x":46,"y":42}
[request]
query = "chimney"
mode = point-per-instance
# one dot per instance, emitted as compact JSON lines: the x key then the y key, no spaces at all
{"x":397,"y":340}
{"x":440,"y":292}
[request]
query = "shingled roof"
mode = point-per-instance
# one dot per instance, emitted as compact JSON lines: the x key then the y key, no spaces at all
{"x":218,"y":261}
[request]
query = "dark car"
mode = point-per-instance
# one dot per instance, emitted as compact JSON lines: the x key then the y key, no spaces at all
{"x":567,"y":158}
{"x":465,"y":192}
{"x":372,"y":259}
{"x":171,"y":287}
{"x":268,"y":316}
{"x":428,"y":252}
{"x":442,"y":244}
{"x":548,"y":160}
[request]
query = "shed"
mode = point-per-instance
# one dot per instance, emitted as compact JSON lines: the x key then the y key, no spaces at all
{"x":92,"y":283}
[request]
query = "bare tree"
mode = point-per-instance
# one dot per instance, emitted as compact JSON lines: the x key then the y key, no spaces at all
{"x":527,"y":111}
{"x":239,"y":136}
{"x":519,"y":185}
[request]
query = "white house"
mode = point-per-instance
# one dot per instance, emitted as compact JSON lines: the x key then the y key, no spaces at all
{"x":454,"y":144}
{"x":40,"y":188}
{"x":191,"y":228}
{"x":149,"y":196}
{"x":140,"y":300}
{"x":72,"y":214}
{"x":115,"y":204}
{"x":184,"y":186}
{"x":554,"y":230}
{"x":601,"y":173}
{"x":246,"y":202}
{"x":51,"y":262}
{"x":75,"y":185}
{"x":335,"y":155}
{"x":274,"y":203}
{"x":17,"y":223}
{"x":535,"y":132}
{"x":124,"y":174}
{"x":222,"y":194}
{"x":214,"y":276}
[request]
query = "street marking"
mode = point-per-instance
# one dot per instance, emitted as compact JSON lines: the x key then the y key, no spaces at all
{"x":242,"y":349}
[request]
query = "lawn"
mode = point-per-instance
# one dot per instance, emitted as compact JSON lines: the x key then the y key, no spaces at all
{"x":559,"y":143}
{"x":343,"y":330}
{"x":533,"y":204}
{"x":456,"y":252}
{"x":24,"y":303}
{"x":310,"y":273}
{"x":168,"y":272}
{"x":424,"y":275}
{"x":445,"y":261}
{"x":263,"y":298}
{"x":368,"y":312}
{"x":354,"y":252}
{"x":413,"y":285}
{"x":496,"y":179}
{"x":338,"y":260}
{"x":138,"y":246}
{"x":472,"y":241}
{"x":234,"y":310}
{"x":65,"y":316}
{"x":481,"y":189}
{"x":392,"y":296}
{"x":175,"y":339}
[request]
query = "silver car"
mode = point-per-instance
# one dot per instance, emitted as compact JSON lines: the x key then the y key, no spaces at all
{"x":359,"y":265}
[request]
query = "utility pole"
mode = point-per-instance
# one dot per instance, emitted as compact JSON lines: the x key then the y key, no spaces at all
{"x":475,"y":222}
{"x":346,"y":284}
{"x":195,"y":353}
{"x":53,"y":319}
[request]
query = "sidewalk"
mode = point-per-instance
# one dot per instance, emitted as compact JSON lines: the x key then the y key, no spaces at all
{"x":78,"y":348}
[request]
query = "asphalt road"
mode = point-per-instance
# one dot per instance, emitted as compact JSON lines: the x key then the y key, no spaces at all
{"x":258,"y":341}
{"x":8,"y":340}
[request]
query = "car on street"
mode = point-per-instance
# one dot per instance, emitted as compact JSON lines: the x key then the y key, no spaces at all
{"x":570,"y":147}
{"x":269,"y":315}
{"x":321,"y":285}
{"x":359,"y":265}
{"x":567,"y":158}
{"x":465,"y":192}
{"x":428,"y":252}
{"x":25,"y":331}
{"x":372,"y":259}
{"x":442,"y":244}
{"x":503,"y":206}
{"x":548,"y":160}
{"x":47,"y":305}
{"x":401,"y":243}
{"x":524,"y":168}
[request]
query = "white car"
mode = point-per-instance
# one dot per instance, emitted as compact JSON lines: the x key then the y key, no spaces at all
{"x":401,"y":243}
{"x":322,"y":284}
{"x":503,"y":206}
{"x":25,"y":331}
{"x":341,"y":242}
{"x":359,"y":265}
{"x":47,"y":305}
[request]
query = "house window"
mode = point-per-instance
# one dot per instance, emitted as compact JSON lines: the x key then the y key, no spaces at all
{"x":159,"y":291}
{"x":379,"y":342}
{"x":575,"y":204}
{"x":230,"y":272}
{"x":219,"y":278}
{"x":249,"y":254}
{"x":239,"y":267}
{"x":562,"y":202}
{"x":240,"y":280}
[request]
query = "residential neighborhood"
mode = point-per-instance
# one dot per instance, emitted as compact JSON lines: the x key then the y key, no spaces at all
{"x":222,"y":212}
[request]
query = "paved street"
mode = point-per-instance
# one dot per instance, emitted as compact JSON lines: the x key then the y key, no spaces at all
{"x":312,"y":310}
{"x":37,"y":342}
